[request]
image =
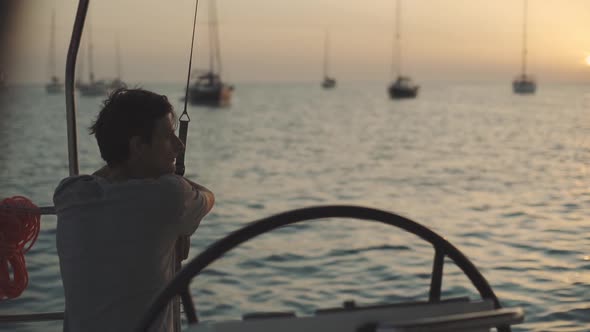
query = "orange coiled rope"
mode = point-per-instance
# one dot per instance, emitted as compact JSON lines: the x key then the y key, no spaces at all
{"x":19,"y":228}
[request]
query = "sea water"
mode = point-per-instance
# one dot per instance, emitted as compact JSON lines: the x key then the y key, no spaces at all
{"x":503,"y":177}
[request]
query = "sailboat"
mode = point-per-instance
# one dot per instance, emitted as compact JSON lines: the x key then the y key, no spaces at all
{"x":93,"y":88}
{"x":523,"y":83}
{"x":402,"y":87}
{"x":118,"y":83}
{"x":209,"y":89}
{"x":54,"y":85}
{"x":328,"y":82}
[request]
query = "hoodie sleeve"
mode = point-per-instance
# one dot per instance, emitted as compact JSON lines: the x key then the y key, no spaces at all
{"x":193,"y":205}
{"x":195,"y":209}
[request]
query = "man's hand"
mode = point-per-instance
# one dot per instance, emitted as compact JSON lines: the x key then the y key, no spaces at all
{"x":183,"y":244}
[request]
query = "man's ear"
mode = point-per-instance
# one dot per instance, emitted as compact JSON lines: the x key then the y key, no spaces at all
{"x":136,"y":146}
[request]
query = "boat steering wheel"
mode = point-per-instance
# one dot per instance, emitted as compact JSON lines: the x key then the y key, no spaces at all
{"x":180,"y":283}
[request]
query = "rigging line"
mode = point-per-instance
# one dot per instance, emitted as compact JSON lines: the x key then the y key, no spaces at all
{"x":184,"y":117}
{"x":190,"y":63}
{"x":181,"y":248}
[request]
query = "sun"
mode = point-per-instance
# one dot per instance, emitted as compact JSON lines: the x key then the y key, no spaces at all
{"x":588,"y":60}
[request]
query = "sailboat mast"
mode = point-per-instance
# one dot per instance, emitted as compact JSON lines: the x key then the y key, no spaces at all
{"x":215,"y":36}
{"x":81,"y":64}
{"x":90,"y":47}
{"x":524,"y":37}
{"x":326,"y":53}
{"x":52,"y":47}
{"x":118,"y":53}
{"x":396,"y":62}
{"x":210,"y":30}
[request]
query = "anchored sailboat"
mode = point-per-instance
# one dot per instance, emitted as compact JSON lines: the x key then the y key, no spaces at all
{"x":402,"y":87}
{"x":54,"y":85}
{"x":328,"y":82}
{"x":118,"y":83}
{"x":209,"y":89}
{"x":93,"y":88}
{"x":524,"y":84}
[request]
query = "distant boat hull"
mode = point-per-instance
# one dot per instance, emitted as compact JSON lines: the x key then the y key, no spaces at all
{"x":403,"y":93}
{"x":329,"y":83}
{"x":95,"y":89}
{"x":54,"y":88}
{"x":403,"y":88}
{"x":207,"y":95}
{"x":524,"y":86}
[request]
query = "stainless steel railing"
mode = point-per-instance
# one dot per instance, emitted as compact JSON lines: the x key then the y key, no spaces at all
{"x":35,"y":317}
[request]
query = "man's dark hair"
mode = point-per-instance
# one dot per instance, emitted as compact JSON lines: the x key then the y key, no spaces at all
{"x":124,"y":114}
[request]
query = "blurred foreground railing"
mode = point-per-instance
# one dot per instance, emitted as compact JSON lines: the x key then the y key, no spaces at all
{"x":36,"y":317}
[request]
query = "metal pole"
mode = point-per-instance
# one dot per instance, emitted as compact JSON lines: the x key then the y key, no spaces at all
{"x":69,"y":80}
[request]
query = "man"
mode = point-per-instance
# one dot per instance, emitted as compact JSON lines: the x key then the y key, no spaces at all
{"x":117,"y":228}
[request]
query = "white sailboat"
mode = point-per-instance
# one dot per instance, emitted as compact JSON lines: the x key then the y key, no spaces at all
{"x":54,"y":86}
{"x":524,"y":83}
{"x":403,"y":86}
{"x":328,"y":82}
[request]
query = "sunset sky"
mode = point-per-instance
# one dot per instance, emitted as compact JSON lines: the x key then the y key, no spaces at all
{"x":281,"y":40}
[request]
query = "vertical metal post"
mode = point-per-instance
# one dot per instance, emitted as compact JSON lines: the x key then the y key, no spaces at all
{"x":70,"y":81}
{"x":437,"y":274}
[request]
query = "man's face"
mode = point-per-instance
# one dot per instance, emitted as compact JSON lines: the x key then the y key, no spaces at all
{"x":158,"y":157}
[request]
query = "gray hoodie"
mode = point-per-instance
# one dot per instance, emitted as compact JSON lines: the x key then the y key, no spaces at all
{"x":115,"y":242}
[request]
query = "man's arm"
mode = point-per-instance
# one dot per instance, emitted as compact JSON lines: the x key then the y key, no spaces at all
{"x":207,"y":194}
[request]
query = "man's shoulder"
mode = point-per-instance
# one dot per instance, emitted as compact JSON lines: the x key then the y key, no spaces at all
{"x":172,"y":181}
{"x":75,"y":189}
{"x":74,"y":182}
{"x":83,"y":189}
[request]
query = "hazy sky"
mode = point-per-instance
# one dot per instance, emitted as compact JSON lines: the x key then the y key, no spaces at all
{"x":282,"y":40}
